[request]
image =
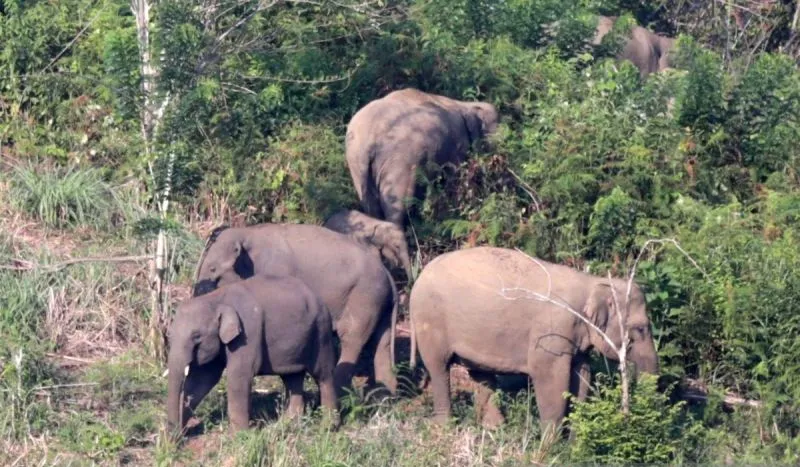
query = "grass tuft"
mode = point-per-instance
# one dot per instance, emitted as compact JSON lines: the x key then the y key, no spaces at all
{"x":63,"y":197}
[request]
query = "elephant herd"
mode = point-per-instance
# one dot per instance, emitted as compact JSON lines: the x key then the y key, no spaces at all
{"x":273,"y":299}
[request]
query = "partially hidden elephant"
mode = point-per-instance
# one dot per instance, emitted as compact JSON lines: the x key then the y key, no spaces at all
{"x":648,"y":51}
{"x":388,"y":239}
{"x":390,"y":138}
{"x":258,"y":326}
{"x":479,"y":307}
{"x":347,"y":276}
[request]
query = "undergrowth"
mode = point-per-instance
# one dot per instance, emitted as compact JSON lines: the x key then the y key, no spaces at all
{"x":63,"y":197}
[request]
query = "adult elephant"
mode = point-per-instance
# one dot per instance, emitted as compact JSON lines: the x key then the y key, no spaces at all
{"x":491,"y":310}
{"x":346,"y":275}
{"x":389,"y":138}
{"x":648,"y":51}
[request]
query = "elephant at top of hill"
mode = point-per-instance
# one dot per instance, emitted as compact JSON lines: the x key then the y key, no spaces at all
{"x":478,"y":307}
{"x":347,"y":276}
{"x":388,"y":239}
{"x":389,"y":138}
{"x":258,"y":326}
{"x":648,"y":51}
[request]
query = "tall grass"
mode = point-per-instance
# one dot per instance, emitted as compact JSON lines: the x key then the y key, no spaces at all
{"x":62,"y":197}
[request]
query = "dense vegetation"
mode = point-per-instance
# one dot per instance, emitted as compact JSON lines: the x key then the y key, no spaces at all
{"x":589,"y":163}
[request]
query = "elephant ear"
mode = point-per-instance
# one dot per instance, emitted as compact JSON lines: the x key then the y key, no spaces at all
{"x":229,"y":326}
{"x":599,"y":305}
{"x":473,"y":124}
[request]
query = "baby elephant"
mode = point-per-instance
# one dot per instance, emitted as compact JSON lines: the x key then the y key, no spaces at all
{"x":263,"y":325}
{"x":387,"y":238}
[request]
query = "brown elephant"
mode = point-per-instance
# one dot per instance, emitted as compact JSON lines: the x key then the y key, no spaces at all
{"x":258,"y":326}
{"x":648,"y":51}
{"x":387,"y":239}
{"x":476,"y":307}
{"x":347,"y":276}
{"x":389,"y":138}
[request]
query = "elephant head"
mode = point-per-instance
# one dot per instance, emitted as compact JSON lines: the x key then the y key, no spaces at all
{"x":601,"y":309}
{"x":391,"y":242}
{"x":481,"y":119}
{"x":197,"y":334}
{"x":386,"y":238}
{"x":225,"y":259}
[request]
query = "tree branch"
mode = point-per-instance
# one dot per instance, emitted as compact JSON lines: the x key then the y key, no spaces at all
{"x":70,"y":43}
{"x":527,"y":189}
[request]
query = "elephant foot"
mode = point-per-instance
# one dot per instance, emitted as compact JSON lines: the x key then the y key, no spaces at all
{"x":492,"y":417}
{"x":237,"y":426}
{"x":331,"y":419}
{"x":441,"y":419}
{"x":379,"y":393}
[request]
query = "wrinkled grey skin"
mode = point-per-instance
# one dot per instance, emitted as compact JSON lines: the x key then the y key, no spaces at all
{"x":387,"y":239}
{"x":259,"y":326}
{"x":648,"y":51}
{"x":347,"y":276}
{"x":471,"y":306}
{"x":389,"y":138}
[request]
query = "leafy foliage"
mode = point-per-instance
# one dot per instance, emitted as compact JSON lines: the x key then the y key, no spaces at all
{"x":651,"y":433}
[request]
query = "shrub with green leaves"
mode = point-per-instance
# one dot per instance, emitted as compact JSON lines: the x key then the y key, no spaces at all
{"x":652,"y":433}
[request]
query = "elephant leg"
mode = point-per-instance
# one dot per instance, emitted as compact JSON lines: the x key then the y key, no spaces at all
{"x":550,"y":382}
{"x":294,"y":394}
{"x":435,"y":354}
{"x":396,"y":187}
{"x":580,"y":377}
{"x":327,"y":397}
{"x":488,"y":414}
{"x":351,"y":342}
{"x":380,"y":344}
{"x":240,"y":385}
{"x":580,"y":380}
{"x":199,"y":383}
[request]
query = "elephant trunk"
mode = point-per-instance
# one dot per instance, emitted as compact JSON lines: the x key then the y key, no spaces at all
{"x":645,"y":358}
{"x":404,"y":258}
{"x":177,"y":412}
{"x":203,"y":286}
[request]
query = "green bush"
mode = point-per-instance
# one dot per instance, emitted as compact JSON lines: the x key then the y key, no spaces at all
{"x":652,"y":433}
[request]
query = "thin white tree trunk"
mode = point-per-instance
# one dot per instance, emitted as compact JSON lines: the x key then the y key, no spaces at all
{"x":151,"y":117}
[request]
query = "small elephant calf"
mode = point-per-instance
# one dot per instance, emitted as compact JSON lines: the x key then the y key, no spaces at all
{"x":263,"y":325}
{"x":387,"y":238}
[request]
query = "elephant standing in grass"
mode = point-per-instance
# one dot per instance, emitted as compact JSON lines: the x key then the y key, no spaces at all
{"x":347,"y":276}
{"x":645,"y":49}
{"x":389,"y":138}
{"x":259,"y":326}
{"x":387,"y":238}
{"x":475,"y":307}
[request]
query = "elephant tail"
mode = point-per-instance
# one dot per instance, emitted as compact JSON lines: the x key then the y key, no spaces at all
{"x":360,"y":160}
{"x":395,"y":304}
{"x":413,"y":361}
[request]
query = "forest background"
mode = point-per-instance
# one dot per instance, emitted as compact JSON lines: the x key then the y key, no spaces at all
{"x":130,"y":129}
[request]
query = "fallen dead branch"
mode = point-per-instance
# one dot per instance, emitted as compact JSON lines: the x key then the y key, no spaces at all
{"x":25,"y":265}
{"x":693,"y":390}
